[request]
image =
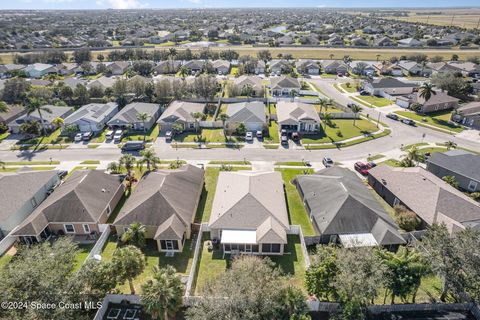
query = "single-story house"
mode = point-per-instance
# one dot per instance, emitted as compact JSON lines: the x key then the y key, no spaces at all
{"x":413,"y":68}
{"x":344,"y":210}
{"x":260,"y":67}
{"x":118,"y":67}
{"x":21,"y":193}
{"x":388,"y":87}
{"x":432,"y":199}
{"x":127,"y":118}
{"x":388,"y":69}
{"x":92,"y":117}
{"x":13,"y":112}
{"x":284,"y":86}
{"x":336,"y":41}
{"x":467,"y":68}
{"x":334,"y":67}
{"x":167,"y":67}
{"x":249,"y":213}
{"x":102,"y":82}
{"x":165,"y":202}
{"x":441,"y":67}
{"x":38,"y":70}
{"x":308,"y":67}
{"x":180,"y":112}
{"x":409,"y":42}
{"x":437,"y":102}
{"x":194,"y":65}
{"x":57,"y":112}
{"x":279,"y":66}
{"x":363,"y":68}
{"x":221,"y":66}
{"x":76,"y":207}
{"x":74,"y":82}
{"x":251,"y":114}
{"x":67,"y":68}
{"x":297,"y":117}
{"x":384,"y":42}
{"x":468,"y":115}
{"x":461,"y":164}
{"x":6,"y":70}
{"x":254,"y":81}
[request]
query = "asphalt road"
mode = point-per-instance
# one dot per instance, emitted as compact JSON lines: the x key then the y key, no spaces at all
{"x":401,"y":135}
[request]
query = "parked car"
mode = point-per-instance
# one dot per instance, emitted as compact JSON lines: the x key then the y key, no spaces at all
{"x":371,"y":164}
{"x":87,"y":136}
{"x":284,"y":140}
{"x":363,"y":93}
{"x":283,"y":132}
{"x":109,"y":135}
{"x":327,"y":162}
{"x":78,"y":137}
{"x":408,"y":121}
{"x":249,"y":136}
{"x":349,"y":105}
{"x":168,"y":136}
{"x":62,"y":173}
{"x":259,"y":134}
{"x":117,"y":136}
{"x":295,"y":136}
{"x":392,"y":116}
{"x":361,"y":167}
{"x":133,"y":146}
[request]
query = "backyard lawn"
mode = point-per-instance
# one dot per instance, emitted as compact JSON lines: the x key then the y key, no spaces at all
{"x":340,"y":130}
{"x":438,"y":119}
{"x":375,"y":101}
{"x":296,"y":211}
{"x":182,"y":262}
{"x":82,"y":255}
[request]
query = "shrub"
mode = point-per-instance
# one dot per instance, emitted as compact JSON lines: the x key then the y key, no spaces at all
{"x":406,"y":219}
{"x":339,"y":133}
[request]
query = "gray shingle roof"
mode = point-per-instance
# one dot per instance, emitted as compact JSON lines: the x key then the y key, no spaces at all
{"x":458,"y":161}
{"x":295,"y":111}
{"x":284,"y":82}
{"x":391,"y":83}
{"x":181,"y":110}
{"x":129,"y":113}
{"x":341,"y":204}
{"x":57,"y":111}
{"x":93,"y":112}
{"x":245,"y":112}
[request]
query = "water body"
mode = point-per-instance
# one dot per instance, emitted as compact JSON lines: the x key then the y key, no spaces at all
{"x":278,"y":29}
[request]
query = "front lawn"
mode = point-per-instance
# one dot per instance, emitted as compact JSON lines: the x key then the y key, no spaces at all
{"x":296,"y":211}
{"x":439,"y":119}
{"x":182,"y":262}
{"x":4,"y":135}
{"x":376,"y":101}
{"x":52,"y":138}
{"x":391,"y":163}
{"x":341,"y":129}
{"x":101,"y":136}
{"x":206,"y":135}
{"x":350,"y":89}
{"x":272,"y":133}
{"x":151,"y":135}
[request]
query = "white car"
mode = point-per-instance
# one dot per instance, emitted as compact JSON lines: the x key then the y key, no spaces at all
{"x":109,"y":135}
{"x":78,"y":137}
{"x":328,"y":162}
{"x":118,"y":135}
{"x":249,"y":136}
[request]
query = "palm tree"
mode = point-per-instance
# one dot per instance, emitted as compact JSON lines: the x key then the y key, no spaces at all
{"x":356,"y":109}
{"x":184,"y":71}
{"x":172,"y":53}
{"x":331,"y":56}
{"x":322,"y":102}
{"x":114,"y":167}
{"x":127,"y":161}
{"x":413,"y":157}
{"x":150,"y":158}
{"x":58,"y":122}
{"x":196,"y":116}
{"x":450,"y":145}
{"x":143,"y":116}
{"x":223,"y":117}
{"x":426,"y":91}
{"x":247,"y":90}
{"x":128,"y":262}
{"x":162,"y":295}
{"x":378,"y":57}
{"x":36,"y":105}
{"x":327,"y":118}
{"x":3,"y":107}
{"x":135,"y":235}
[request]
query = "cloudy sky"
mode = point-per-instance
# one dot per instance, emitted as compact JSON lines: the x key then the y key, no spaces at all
{"x":137,"y":4}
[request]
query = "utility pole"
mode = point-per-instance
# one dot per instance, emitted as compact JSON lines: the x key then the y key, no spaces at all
{"x":451,"y":23}
{"x":478,"y":23}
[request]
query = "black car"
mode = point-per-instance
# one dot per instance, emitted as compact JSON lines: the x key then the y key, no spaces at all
{"x":62,"y":174}
{"x":392,"y":116}
{"x":133,"y":146}
{"x":408,"y":121}
{"x":363,"y":93}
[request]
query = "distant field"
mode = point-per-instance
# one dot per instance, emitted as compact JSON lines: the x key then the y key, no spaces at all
{"x":464,"y":18}
{"x":315,"y":53}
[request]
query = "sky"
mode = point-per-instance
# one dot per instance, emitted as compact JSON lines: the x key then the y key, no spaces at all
{"x":139,"y":4}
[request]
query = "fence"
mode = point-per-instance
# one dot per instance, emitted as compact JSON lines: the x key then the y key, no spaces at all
{"x":341,"y":115}
{"x":196,"y":254}
{"x":296,"y":229}
{"x":6,"y":243}
{"x":98,"y":247}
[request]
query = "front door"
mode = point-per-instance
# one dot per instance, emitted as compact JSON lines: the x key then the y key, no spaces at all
{"x":169,"y":244}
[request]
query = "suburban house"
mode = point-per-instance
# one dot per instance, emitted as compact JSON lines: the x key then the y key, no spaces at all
{"x":180,"y":112}
{"x":308,"y":67}
{"x":21,"y":193}
{"x":437,"y":102}
{"x":102,"y":82}
{"x":127,"y":118}
{"x":74,"y":82}
{"x":76,"y":207}
{"x":336,"y":41}
{"x":467,"y":68}
{"x":251,"y":114}
{"x":194,"y":65}
{"x":441,"y":67}
{"x":279,"y":66}
{"x":409,"y":42}
{"x":284,"y":86}
{"x":432,"y":199}
{"x":384,"y":42}
{"x":221,"y":66}
{"x":254,"y":81}
{"x":461,"y":164}
{"x":249,"y":213}
{"x":92,"y":117}
{"x":297,"y":117}
{"x":388,"y":87}
{"x":118,"y":67}
{"x":468,"y":114}
{"x":165,"y":202}
{"x":67,"y":68}
{"x":260,"y":67}
{"x":6,"y":70}
{"x":388,"y":69}
{"x":38,"y":70}
{"x":343,"y":210}
{"x":334,"y":67}
{"x":363,"y":68}
{"x":167,"y":67}
{"x":412,"y":68}
{"x":57,"y":112}
{"x":13,"y":112}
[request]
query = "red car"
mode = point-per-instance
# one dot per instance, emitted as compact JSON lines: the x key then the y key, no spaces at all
{"x":361,"y":167}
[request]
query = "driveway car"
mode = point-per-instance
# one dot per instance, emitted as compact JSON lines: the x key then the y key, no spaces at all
{"x":284,"y":140}
{"x":327,"y":162}
{"x":87,"y":136}
{"x":117,"y":137}
{"x":78,"y":137}
{"x":259,"y":134}
{"x":392,"y":116}
{"x":168,"y":136}
{"x":249,"y":136}
{"x":408,"y":121}
{"x":361,"y":167}
{"x":109,"y":135}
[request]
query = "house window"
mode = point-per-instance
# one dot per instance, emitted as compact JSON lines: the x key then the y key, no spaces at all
{"x":109,"y":210}
{"x":396,"y":201}
{"x":271,"y":248}
{"x":125,"y":229}
{"x":472,"y":186}
{"x":191,"y":125}
{"x":169,"y":245}
{"x":69,"y":228}
{"x":86,"y":228}
{"x":34,"y":202}
{"x":227,"y":247}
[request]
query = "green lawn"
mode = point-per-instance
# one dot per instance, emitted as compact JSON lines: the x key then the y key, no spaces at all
{"x":80,"y":168}
{"x":376,"y":101}
{"x":27,"y":163}
{"x":239,"y":162}
{"x":90,"y":162}
{"x":292,"y":262}
{"x":138,"y":136}
{"x":206,"y":199}
{"x":4,"y":260}
{"x":53,"y":138}
{"x":339,"y":145}
{"x":206,"y":135}
{"x":350,"y":89}
{"x":408,"y":146}
{"x":233,"y":71}
{"x":438,"y":119}
{"x":182,"y":262}
{"x":4,"y":135}
{"x":391,"y":163}
{"x":82,"y":255}
{"x":296,"y":211}
{"x":343,"y":126}
{"x":290,"y":163}
{"x":101,"y":136}
{"x":272,"y":133}
{"x":375,"y":157}
{"x":8,"y":169}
